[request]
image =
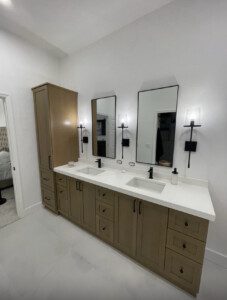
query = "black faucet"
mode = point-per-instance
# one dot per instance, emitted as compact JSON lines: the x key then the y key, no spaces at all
{"x":150,"y":173}
{"x":99,"y":161}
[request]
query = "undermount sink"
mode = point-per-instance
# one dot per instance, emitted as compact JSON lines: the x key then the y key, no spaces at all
{"x":146,"y":184}
{"x":90,"y":171}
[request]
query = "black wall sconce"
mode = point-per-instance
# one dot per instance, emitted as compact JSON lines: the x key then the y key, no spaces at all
{"x":191,"y":145}
{"x":124,"y":142}
{"x":81,"y":127}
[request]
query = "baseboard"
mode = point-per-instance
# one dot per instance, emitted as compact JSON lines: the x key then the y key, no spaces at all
{"x":216,"y":257}
{"x":32,"y":208}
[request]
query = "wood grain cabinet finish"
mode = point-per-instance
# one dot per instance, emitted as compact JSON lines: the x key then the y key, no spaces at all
{"x":188,"y":224}
{"x":63,"y":200}
{"x":75,"y":201}
{"x":125,"y":224}
{"x":183,"y":271}
{"x":151,"y":234}
{"x":49,"y":200}
{"x":89,"y":211}
{"x":185,"y":245}
{"x":56,"y":118}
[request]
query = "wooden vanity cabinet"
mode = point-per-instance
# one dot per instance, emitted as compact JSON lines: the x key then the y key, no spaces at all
{"x":168,"y":242}
{"x":126,"y":224}
{"x":75,"y":200}
{"x":57,"y":140}
{"x":151,"y":235}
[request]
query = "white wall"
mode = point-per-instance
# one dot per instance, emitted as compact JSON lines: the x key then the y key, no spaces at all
{"x":2,"y":115}
{"x":184,"y":42}
{"x":22,"y":67}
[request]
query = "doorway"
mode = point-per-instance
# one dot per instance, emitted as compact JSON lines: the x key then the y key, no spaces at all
{"x":11,"y":206}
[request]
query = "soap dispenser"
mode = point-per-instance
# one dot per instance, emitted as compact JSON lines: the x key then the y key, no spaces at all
{"x":174,"y":177}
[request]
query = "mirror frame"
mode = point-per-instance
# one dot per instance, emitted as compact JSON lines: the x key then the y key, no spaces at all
{"x":138,"y":95}
{"x":93,"y":129}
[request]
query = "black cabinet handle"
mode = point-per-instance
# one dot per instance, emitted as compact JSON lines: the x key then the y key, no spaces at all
{"x":140,"y":207}
{"x":184,"y":246}
{"x":49,"y":162}
{"x":80,"y":186}
{"x":48,"y":199}
{"x":77,"y":185}
{"x":46,"y":179}
{"x":104,"y":195}
{"x":104,"y":228}
{"x":134,"y":205}
{"x":181,"y":270}
{"x":103,"y":210}
{"x":186,"y":224}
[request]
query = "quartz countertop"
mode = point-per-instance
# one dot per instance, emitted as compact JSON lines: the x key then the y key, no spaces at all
{"x":189,"y":198}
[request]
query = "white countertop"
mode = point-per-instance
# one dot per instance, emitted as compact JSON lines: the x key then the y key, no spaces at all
{"x":188,"y":198}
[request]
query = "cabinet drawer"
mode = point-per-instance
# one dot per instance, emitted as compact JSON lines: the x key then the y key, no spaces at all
{"x":47,"y":178}
{"x":61,"y":179}
{"x":104,"y":229}
{"x":183,"y":271}
{"x":185,"y":245}
{"x":105,"y":210}
{"x":49,"y":199}
{"x":105,"y":195}
{"x":188,"y":224}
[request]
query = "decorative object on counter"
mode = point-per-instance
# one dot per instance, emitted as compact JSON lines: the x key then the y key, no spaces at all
{"x":132,"y":164}
{"x":192,"y":116}
{"x":174,"y":177}
{"x":71,"y":163}
{"x":81,"y":127}
{"x":124,"y":142}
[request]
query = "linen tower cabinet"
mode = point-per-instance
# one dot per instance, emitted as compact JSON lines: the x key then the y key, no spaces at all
{"x":57,"y":137}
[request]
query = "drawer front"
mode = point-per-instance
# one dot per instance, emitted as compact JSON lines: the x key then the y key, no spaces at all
{"x":105,"y":195}
{"x":183,"y":271}
{"x":185,"y":245}
{"x":49,"y":199}
{"x":105,"y":210}
{"x":61,"y":179}
{"x":47,"y":178}
{"x":188,"y":224}
{"x":63,"y":201}
{"x":104,"y":229}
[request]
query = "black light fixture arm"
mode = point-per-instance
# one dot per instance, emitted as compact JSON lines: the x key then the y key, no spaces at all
{"x":81,"y":127}
{"x":122,"y":127}
{"x":191,"y":145}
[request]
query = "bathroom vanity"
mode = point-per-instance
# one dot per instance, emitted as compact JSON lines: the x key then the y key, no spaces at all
{"x":161,"y":226}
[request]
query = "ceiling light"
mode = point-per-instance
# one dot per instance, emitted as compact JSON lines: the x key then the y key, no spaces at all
{"x":6,"y":2}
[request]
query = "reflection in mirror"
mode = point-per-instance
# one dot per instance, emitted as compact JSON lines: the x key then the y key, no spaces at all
{"x":104,"y":126}
{"x":156,"y":125}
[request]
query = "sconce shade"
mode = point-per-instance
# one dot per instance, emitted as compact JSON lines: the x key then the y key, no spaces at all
{"x":193,"y":115}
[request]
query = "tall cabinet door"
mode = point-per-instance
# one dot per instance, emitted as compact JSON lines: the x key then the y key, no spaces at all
{"x":64,"y":134}
{"x":75,"y":200}
{"x":151,"y":234}
{"x":89,"y":211}
{"x":125,"y":224}
{"x":43,"y":126}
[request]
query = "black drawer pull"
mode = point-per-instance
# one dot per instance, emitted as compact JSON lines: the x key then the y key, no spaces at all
{"x":134,"y":205}
{"x":140,"y":203}
{"x":186,"y":224}
{"x":184,"y":246}
{"x":47,"y":179}
{"x":60,"y":179}
{"x":103,"y":210}
{"x":181,"y":270}
{"x":47,"y":198}
{"x":104,"y":195}
{"x":104,"y":228}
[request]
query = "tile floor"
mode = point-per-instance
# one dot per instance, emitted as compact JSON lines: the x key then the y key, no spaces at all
{"x":8,"y":213}
{"x":44,"y":256}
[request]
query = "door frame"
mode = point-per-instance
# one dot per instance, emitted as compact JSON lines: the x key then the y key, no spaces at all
{"x":15,"y":166}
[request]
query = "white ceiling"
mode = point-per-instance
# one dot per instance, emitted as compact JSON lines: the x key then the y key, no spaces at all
{"x":65,"y":26}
